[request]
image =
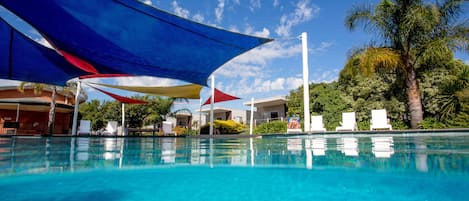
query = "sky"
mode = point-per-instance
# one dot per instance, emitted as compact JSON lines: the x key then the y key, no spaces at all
{"x":273,"y":69}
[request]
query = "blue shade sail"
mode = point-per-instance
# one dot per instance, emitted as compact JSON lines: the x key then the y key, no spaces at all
{"x":127,"y":36}
{"x":23,"y":59}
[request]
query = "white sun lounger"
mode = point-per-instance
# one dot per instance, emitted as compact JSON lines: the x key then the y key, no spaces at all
{"x":348,"y":122}
{"x":317,"y":124}
{"x":85,"y":127}
{"x":379,"y":120}
{"x":111,"y":128}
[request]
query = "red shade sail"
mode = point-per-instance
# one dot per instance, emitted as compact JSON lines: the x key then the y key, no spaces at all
{"x":121,"y":99}
{"x":220,"y":97}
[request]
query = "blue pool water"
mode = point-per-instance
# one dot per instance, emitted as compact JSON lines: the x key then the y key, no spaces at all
{"x":423,"y":167}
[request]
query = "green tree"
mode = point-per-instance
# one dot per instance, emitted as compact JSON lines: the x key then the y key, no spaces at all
{"x":412,"y":33}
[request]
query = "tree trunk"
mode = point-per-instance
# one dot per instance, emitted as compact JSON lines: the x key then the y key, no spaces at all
{"x":413,"y":99}
{"x":50,"y":124}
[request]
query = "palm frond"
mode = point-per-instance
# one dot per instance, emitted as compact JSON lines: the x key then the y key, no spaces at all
{"x":374,"y":58}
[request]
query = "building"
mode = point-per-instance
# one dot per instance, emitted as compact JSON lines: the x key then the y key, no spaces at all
{"x":28,"y":113}
{"x":269,"y":109}
{"x":220,"y":113}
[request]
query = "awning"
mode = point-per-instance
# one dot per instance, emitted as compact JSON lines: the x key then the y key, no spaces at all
{"x":191,"y":91}
{"x":121,"y":99}
{"x":220,"y":97}
{"x":23,"y":59}
{"x":130,"y":37}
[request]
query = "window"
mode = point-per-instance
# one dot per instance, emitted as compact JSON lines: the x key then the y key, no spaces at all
{"x":274,"y":115}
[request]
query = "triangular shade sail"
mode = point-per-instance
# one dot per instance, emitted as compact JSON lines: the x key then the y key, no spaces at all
{"x":220,"y":97}
{"x":191,"y":91}
{"x":130,"y":37}
{"x":23,"y":59}
{"x":121,"y":99}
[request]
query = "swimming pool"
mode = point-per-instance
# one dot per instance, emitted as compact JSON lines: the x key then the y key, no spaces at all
{"x":305,"y":167}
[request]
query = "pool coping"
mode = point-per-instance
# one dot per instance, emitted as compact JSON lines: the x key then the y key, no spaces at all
{"x":413,"y":132}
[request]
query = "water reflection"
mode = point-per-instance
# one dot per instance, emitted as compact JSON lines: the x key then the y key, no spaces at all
{"x":383,"y":147}
{"x":348,"y":146}
{"x":424,"y":154}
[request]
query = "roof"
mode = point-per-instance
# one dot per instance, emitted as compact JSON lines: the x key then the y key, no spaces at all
{"x":272,"y":101}
{"x":145,"y":41}
{"x":216,"y":110}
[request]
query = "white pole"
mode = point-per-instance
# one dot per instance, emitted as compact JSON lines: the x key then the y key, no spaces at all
{"x":200,"y":115}
{"x":252,"y":117}
{"x":75,"y":111}
{"x":212,"y":100}
{"x":123,"y":119}
{"x":304,"y":41}
{"x":17,"y":117}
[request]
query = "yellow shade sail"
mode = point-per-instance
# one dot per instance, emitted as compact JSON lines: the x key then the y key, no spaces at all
{"x":190,"y":91}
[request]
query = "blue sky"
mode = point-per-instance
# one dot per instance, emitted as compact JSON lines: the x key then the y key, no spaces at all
{"x":272,"y":69}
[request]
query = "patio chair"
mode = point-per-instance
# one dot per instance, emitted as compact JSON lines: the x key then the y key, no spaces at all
{"x":294,"y":125}
{"x":379,"y":120}
{"x":317,"y":124}
{"x":111,"y":128}
{"x":85,"y":127}
{"x":168,"y":128}
{"x":348,"y":122}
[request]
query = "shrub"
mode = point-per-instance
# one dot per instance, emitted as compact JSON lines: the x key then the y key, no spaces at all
{"x":271,"y":127}
{"x":224,"y":127}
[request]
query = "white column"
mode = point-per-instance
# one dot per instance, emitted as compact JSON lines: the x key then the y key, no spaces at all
{"x":252,"y":117}
{"x":17,"y":116}
{"x":212,"y":100}
{"x":123,"y":119}
{"x":307,"y":121}
{"x":75,"y":111}
{"x":200,"y":115}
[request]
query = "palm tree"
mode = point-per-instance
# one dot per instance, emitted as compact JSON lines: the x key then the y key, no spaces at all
{"x":160,"y":108}
{"x":411,"y":32}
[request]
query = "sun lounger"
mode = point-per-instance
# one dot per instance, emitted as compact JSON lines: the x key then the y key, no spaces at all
{"x":317,"y":124}
{"x":111,"y":128}
{"x":379,"y":120}
{"x":294,"y":125}
{"x":85,"y":127}
{"x":168,"y":128}
{"x":348,"y":122}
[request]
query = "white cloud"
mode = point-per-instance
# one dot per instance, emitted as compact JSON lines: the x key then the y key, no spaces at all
{"x":276,"y":3}
{"x":303,"y":13}
{"x":236,"y":1}
{"x":325,"y":76}
{"x":264,"y":33}
{"x":254,"y":4}
{"x":148,"y":2}
{"x":294,"y":82}
{"x":198,"y":18}
{"x":135,"y":81}
{"x":4,"y":83}
{"x":466,"y":62}
{"x":182,"y":12}
{"x":219,"y":10}
{"x":323,"y":46}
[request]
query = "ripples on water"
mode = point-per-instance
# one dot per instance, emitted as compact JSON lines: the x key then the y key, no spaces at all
{"x":421,"y":153}
{"x":270,"y":168}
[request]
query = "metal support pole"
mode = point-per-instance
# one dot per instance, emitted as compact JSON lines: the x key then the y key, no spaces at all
{"x":252,"y":117}
{"x":17,"y":117}
{"x":212,"y":100}
{"x":123,"y":120}
{"x":200,"y":116}
{"x":75,"y":110}
{"x":307,"y":121}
